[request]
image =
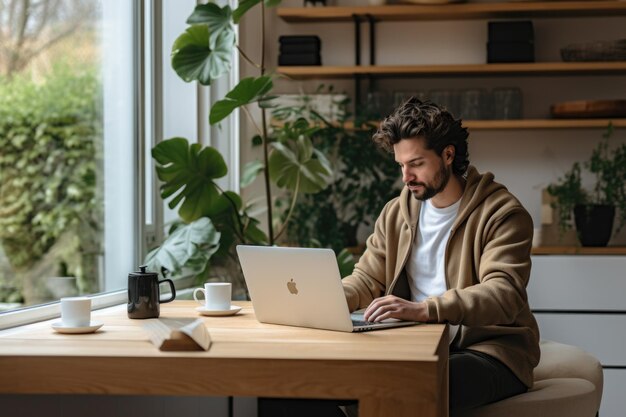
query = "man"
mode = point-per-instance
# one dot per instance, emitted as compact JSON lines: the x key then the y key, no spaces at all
{"x":453,"y":248}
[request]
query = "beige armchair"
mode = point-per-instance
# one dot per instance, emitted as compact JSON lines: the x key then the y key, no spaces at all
{"x":568,"y":383}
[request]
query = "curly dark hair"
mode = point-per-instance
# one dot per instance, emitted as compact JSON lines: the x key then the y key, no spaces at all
{"x":415,"y":118}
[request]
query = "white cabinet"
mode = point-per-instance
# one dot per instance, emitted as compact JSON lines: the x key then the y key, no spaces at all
{"x":614,"y":396}
{"x":581,"y":301}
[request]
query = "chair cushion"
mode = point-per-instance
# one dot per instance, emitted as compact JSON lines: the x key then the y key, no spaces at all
{"x":568,"y":382}
{"x":572,"y":397}
{"x":564,"y":361}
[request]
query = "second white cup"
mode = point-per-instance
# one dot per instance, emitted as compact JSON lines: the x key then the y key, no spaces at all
{"x":76,"y":311}
{"x":216,"y":295}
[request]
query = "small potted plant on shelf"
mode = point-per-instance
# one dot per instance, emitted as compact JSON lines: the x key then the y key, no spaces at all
{"x":594,"y":212}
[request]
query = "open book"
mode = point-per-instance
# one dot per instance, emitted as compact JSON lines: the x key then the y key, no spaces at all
{"x":178,"y":334}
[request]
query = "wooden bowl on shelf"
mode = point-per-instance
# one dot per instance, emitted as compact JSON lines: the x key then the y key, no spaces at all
{"x":588,"y":109}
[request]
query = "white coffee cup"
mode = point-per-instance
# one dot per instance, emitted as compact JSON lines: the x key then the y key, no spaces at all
{"x":76,"y":311}
{"x":216,"y":295}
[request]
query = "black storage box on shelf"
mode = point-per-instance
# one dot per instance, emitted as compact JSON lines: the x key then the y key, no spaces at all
{"x":300,"y":39}
{"x":299,"y":50}
{"x":299,"y":59}
{"x":511,"y":31}
{"x":508,"y":52}
{"x":511,"y":41}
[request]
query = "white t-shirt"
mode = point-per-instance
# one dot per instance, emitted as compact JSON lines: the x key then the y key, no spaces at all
{"x":426,"y":265}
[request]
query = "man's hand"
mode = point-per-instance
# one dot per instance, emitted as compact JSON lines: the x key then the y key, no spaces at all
{"x":391,"y":306}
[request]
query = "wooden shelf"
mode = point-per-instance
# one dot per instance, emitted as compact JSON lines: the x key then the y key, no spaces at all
{"x":463,"y":11}
{"x":542,"y":124}
{"x":578,"y":250}
{"x":531,"y":68}
{"x":529,"y":124}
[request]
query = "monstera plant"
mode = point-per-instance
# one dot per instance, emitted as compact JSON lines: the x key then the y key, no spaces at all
{"x":188,"y":173}
{"x":214,"y":220}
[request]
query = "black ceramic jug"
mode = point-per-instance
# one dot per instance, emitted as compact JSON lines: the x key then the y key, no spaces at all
{"x":144,"y":295}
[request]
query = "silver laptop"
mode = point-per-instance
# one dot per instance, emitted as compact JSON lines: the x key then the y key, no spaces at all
{"x":301,"y":287}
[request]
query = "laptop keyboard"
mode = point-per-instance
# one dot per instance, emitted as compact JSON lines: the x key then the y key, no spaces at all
{"x":362,"y":323}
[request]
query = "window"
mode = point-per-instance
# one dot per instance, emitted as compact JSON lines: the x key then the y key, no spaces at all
{"x":91,"y":94}
{"x":68,"y":148}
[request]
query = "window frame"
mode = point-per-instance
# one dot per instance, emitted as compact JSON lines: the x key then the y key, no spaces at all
{"x":153,"y":79}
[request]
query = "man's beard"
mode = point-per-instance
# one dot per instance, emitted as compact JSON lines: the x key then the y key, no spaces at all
{"x":440,"y":181}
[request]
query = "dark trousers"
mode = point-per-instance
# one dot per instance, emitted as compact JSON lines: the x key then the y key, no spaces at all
{"x":475,"y":379}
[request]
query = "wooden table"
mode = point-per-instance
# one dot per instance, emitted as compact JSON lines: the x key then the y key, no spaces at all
{"x":395,"y":372}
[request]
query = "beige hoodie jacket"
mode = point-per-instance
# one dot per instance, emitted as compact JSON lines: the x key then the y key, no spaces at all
{"x":487,"y":269}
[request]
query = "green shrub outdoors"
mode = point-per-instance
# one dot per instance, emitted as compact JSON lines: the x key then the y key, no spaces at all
{"x":50,"y":162}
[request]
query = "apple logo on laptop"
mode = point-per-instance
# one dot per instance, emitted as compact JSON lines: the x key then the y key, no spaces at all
{"x":291,"y":286}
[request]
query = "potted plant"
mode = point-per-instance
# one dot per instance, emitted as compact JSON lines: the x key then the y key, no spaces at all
{"x":594,"y":212}
{"x":212,"y":220}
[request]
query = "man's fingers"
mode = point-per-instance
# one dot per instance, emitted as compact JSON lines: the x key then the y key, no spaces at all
{"x":384,"y":315}
{"x":385,"y":312}
{"x":371,"y":313}
{"x":391,"y":306}
{"x":375,"y":305}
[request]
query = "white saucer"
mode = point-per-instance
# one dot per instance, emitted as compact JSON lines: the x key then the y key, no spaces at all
{"x":231,"y":312}
{"x":61,"y":328}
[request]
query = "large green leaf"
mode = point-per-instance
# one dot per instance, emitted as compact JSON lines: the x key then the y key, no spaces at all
{"x":236,"y":225}
{"x":189,"y":170}
{"x":248,"y":91}
{"x":189,"y":245}
{"x":245,"y":5}
{"x":250,"y":171}
{"x":228,"y":201}
{"x":297,"y":165}
{"x":253,"y":234}
{"x":346,"y":263}
{"x":218,"y":19}
{"x":193,"y":58}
